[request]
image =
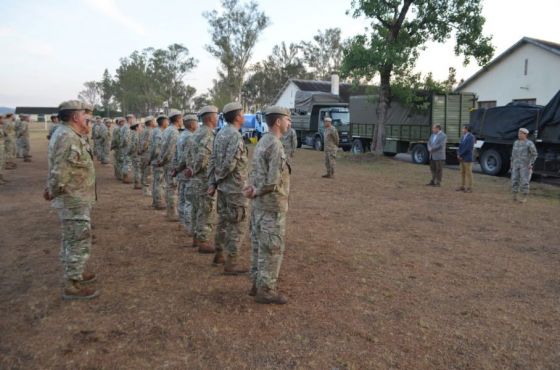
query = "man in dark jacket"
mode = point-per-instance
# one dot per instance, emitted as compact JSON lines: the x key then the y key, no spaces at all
{"x":465,"y":156}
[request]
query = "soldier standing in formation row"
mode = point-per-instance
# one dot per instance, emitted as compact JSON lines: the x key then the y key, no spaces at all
{"x":523,"y":157}
{"x":115,"y":146}
{"x":166,"y":155}
{"x":157,"y":171}
{"x":144,"y":153}
{"x":2,"y":152}
{"x":227,"y":173}
{"x":54,"y":126}
{"x":22,"y":133}
{"x":10,"y":141}
{"x":203,"y":202}
{"x":104,"y":138}
{"x":184,"y":206}
{"x":124,"y":143}
{"x":289,"y":142}
{"x":269,"y":189}
{"x":331,"y":147}
{"x":132,"y":151}
{"x":71,"y":190}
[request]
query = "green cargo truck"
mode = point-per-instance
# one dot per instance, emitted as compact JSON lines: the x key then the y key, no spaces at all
{"x":408,"y":128}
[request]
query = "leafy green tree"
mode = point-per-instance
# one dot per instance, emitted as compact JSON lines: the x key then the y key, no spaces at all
{"x":399,"y":30}
{"x":91,"y":93}
{"x":106,"y":90}
{"x":234,"y":34}
{"x":323,"y":55}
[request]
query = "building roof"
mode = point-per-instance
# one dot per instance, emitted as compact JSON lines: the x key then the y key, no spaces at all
{"x":345,"y":90}
{"x":546,"y":45}
{"x":36,"y":110}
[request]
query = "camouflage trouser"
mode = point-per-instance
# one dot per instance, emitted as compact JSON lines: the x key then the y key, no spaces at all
{"x":117,"y":164}
{"x":267,"y":245}
{"x":170,"y":191}
{"x":184,"y":206}
{"x":19,"y":147}
{"x":232,"y":214}
{"x":136,"y":170}
{"x":520,"y":178}
{"x":126,"y":164}
{"x":25,"y":147}
{"x":203,"y":206}
{"x":330,"y":161}
{"x":157,"y":186}
{"x":10,"y":150}
{"x":2,"y":158}
{"x":104,"y":152}
{"x":146,"y":171}
{"x":76,"y":240}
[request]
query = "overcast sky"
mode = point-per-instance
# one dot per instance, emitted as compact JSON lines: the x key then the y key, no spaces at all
{"x":50,"y":48}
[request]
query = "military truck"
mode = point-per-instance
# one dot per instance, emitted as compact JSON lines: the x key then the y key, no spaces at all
{"x":408,"y":128}
{"x":308,"y":116}
{"x":496,"y":130}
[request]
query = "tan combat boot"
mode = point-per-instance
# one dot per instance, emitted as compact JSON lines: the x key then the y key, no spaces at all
{"x":205,"y":247}
{"x":218,"y":258}
{"x":253,"y":291}
{"x":232,"y":268}
{"x":137,"y":187}
{"x":126,"y":179}
{"x":88,"y":278}
{"x":523,"y":198}
{"x":268,"y":296}
{"x":514,"y":197}
{"x":75,"y":291}
{"x":27,"y":158}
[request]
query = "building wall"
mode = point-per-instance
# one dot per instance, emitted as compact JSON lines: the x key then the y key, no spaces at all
{"x":288,"y":97}
{"x":507,"y":81}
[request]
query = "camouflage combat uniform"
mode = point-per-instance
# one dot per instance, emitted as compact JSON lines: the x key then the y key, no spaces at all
{"x":124,"y":143}
{"x":144,"y":151}
{"x":53,"y":128}
{"x":184,"y":206}
{"x":166,"y":156}
{"x":157,"y":172}
{"x":115,"y":140}
{"x":95,"y":138}
{"x":104,"y":143}
{"x":331,"y":147}
{"x":203,"y":204}
{"x":523,"y":156}
{"x":10,"y":141}
{"x":2,"y":154}
{"x":132,"y":151}
{"x":270,"y":176}
{"x":228,"y":174}
{"x":71,"y":181}
{"x":289,"y":142}
{"x":19,"y":139}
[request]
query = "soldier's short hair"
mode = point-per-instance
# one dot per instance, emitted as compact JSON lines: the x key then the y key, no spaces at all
{"x":160,"y":120}
{"x":66,"y":115}
{"x":176,"y":118}
{"x":230,"y":116}
{"x":467,"y":127}
{"x":271,"y":118}
{"x":54,"y":116}
{"x":438,"y":127}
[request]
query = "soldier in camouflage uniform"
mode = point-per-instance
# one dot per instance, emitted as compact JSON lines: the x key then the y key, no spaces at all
{"x":115,"y":140}
{"x":54,"y":126}
{"x":94,"y":136}
{"x":17,"y":129}
{"x":104,"y":140}
{"x":157,"y":171}
{"x":197,"y":171}
{"x":144,"y":152}
{"x":289,"y":142}
{"x":10,"y":141}
{"x":269,"y":189}
{"x":124,"y":144}
{"x":227,"y":173}
{"x":2,"y":152}
{"x":132,"y":150}
{"x":184,"y":206}
{"x":166,"y":156}
{"x":523,"y":156}
{"x":71,"y":190}
{"x":331,"y":147}
{"x":22,"y":133}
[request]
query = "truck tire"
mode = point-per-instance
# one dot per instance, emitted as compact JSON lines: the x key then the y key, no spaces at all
{"x":389,"y":154}
{"x":493,"y":162}
{"x":419,"y":154}
{"x":318,"y":144}
{"x":357,"y":147}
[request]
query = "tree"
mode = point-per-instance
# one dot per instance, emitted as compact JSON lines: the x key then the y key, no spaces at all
{"x":234,"y":34}
{"x":91,"y":93}
{"x":323,"y":55}
{"x":400,"y":29}
{"x":200,"y":101}
{"x":106,"y":91}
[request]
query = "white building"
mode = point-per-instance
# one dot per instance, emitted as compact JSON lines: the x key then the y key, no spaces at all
{"x":529,"y":71}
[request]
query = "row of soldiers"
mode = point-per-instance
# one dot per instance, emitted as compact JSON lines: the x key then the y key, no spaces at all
{"x":14,"y":142}
{"x":208,"y":172}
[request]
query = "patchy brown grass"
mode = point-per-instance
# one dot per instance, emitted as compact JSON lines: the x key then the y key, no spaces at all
{"x":381,"y":272}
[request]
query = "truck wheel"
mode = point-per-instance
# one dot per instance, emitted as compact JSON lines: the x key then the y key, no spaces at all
{"x":318,"y":144}
{"x":357,"y":147}
{"x":419,"y":154}
{"x":492,"y":162}
{"x":389,"y":154}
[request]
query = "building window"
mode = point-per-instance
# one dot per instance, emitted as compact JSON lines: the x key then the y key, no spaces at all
{"x":487,"y":104}
{"x":526,"y":66}
{"x":526,"y":101}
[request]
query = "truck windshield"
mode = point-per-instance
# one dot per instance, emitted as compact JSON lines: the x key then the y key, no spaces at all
{"x":340,"y":118}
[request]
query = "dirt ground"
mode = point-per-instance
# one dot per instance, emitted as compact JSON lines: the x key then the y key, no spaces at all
{"x":381,"y":272}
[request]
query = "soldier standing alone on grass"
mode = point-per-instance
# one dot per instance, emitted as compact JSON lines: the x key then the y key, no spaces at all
{"x":269,"y":189}
{"x":227,"y":173}
{"x":71,"y":190}
{"x":331,"y":147}
{"x":166,"y":155}
{"x":523,"y":156}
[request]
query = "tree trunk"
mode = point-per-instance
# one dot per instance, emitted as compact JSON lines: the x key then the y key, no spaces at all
{"x":382,"y":108}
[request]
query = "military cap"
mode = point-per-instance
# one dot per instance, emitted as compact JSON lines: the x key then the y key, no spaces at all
{"x":162,"y":116}
{"x":72,"y":105}
{"x":190,"y":117}
{"x":230,"y":107}
{"x":208,"y":109}
{"x":130,"y":115}
{"x":174,"y":112}
{"x":148,"y":119}
{"x":107,"y":120}
{"x":524,"y":130}
{"x":275,"y":109}
{"x":328,"y":119}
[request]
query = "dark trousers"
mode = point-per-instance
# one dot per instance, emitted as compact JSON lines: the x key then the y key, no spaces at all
{"x":436,"y":167}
